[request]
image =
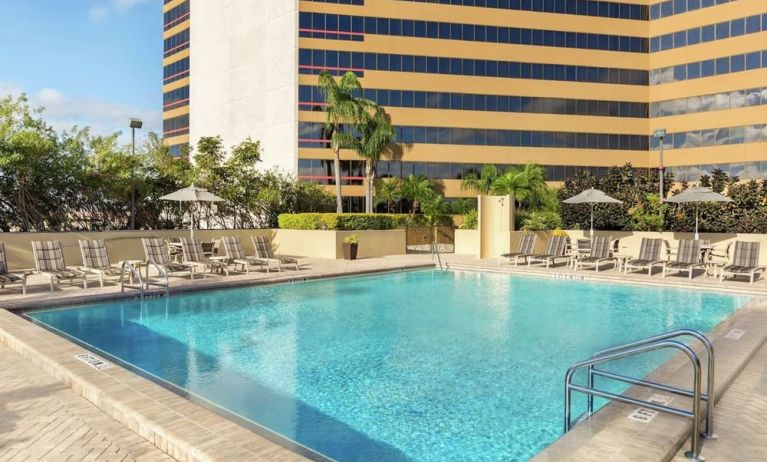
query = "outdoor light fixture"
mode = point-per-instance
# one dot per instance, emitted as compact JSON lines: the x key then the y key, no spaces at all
{"x":136,"y":123}
{"x":660,"y":133}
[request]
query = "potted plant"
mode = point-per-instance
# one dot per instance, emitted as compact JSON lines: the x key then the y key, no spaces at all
{"x":350,"y":247}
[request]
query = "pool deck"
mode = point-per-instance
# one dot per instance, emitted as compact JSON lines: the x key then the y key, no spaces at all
{"x":114,"y":414}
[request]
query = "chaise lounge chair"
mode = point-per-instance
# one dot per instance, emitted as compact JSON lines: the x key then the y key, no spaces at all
{"x":556,"y":249}
{"x":235,"y":252}
{"x":49,"y":262}
{"x":649,"y":256}
{"x":96,"y":260}
{"x":524,"y":249}
{"x":157,"y":251}
{"x":264,"y":252}
{"x":745,"y":261}
{"x":687,"y":258}
{"x":600,"y":253}
{"x":8,"y":278}
{"x":194,"y":256}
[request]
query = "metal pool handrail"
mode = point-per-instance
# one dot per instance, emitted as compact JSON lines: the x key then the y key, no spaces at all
{"x":621,"y":352}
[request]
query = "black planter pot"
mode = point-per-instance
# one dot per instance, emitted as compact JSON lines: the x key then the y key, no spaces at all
{"x":350,"y":251}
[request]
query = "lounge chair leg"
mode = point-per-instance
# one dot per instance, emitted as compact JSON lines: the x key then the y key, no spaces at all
{"x":24,"y":286}
{"x":101,"y":280}
{"x":51,"y":282}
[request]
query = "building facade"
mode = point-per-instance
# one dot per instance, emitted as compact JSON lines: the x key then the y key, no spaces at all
{"x":568,"y":84}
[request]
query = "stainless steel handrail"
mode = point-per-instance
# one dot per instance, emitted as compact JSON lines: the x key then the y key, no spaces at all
{"x":708,"y":396}
{"x":621,"y":352}
{"x":161,"y":271}
{"x":135,"y":273}
{"x":435,"y":251}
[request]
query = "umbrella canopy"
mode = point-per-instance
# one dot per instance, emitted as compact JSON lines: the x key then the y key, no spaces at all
{"x":191,"y":194}
{"x":697,"y":194}
{"x":592,"y":196}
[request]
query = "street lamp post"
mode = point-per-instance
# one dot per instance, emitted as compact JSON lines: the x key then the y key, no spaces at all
{"x":134,"y":124}
{"x":660,"y":134}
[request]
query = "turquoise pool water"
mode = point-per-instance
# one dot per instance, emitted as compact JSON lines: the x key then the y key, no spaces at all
{"x":410,"y":366}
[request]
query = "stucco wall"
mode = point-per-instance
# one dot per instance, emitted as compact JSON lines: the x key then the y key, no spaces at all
{"x":467,"y":242}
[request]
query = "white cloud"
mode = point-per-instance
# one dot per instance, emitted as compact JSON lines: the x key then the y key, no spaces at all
{"x":103,"y":117}
{"x":102,"y":9}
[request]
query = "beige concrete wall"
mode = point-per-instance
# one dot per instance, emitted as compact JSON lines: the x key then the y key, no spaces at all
{"x":374,"y":243}
{"x":467,"y":242}
{"x":121,"y":245}
{"x":495,"y":222}
{"x":317,"y":244}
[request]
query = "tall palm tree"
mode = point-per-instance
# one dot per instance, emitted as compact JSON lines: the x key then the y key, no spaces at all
{"x":527,"y":184}
{"x":374,"y":138}
{"x":342,"y":107}
{"x":388,"y":192}
{"x":417,"y":189}
{"x":482,"y":183}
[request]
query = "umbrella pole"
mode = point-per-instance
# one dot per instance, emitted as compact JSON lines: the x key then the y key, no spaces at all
{"x":591,"y":233}
{"x":697,"y":236}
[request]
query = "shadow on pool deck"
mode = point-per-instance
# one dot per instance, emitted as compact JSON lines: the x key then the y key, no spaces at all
{"x":275,"y":414}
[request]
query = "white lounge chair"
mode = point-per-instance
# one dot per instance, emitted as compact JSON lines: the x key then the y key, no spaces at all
{"x":8,"y":278}
{"x":745,"y":261}
{"x":556,"y":249}
{"x":649,"y":256}
{"x":157,"y":251}
{"x":687,"y":258}
{"x":599,"y":253}
{"x":49,"y":262}
{"x":235,"y":252}
{"x":96,"y":260}
{"x":264,"y":252}
{"x":524,"y":249}
{"x":194,"y":256}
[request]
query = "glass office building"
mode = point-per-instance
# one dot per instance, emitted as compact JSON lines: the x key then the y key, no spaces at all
{"x":568,"y":84}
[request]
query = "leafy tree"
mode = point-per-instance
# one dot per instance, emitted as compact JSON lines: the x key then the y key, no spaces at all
{"x":342,"y":107}
{"x":648,"y":215}
{"x":482,"y":183}
{"x":541,"y":220}
{"x":526,"y":184}
{"x":388,"y":192}
{"x":417,"y":189}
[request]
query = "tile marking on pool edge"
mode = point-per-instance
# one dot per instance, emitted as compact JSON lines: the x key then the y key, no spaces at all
{"x":644,"y":415}
{"x":735,"y":334}
{"x":93,"y":361}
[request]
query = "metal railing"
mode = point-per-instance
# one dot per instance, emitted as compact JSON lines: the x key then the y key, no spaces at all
{"x":143,"y":283}
{"x":435,"y":252}
{"x":662,"y":341}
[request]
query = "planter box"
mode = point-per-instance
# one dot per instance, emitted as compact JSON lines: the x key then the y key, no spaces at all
{"x":350,"y":251}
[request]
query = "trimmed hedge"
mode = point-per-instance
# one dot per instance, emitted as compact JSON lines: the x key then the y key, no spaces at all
{"x":343,"y":221}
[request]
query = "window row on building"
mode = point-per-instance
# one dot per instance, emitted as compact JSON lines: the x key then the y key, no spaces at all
{"x":709,"y":33}
{"x":673,"y":7}
{"x":176,"y":15}
{"x":314,"y":135}
{"x":311,"y":98}
{"x":340,"y":2}
{"x":175,"y":98}
{"x":744,"y":171}
{"x":709,"y":67}
{"x":714,"y":102}
{"x":178,"y":150}
{"x":352,"y":171}
{"x":314,"y":61}
{"x":334,"y":26}
{"x":713,"y":137}
{"x":175,"y":71}
{"x":599,"y":8}
{"x":176,"y":126}
{"x":176,"y":43}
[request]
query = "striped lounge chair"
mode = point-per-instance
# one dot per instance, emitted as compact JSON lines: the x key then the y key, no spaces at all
{"x":157,"y":251}
{"x":745,"y":261}
{"x":649,"y":256}
{"x":600,"y":253}
{"x":96,"y":260}
{"x":194,"y":256}
{"x":264,"y":252}
{"x":235,"y":252}
{"x":8,"y":278}
{"x":524,"y":249}
{"x":687,"y":258}
{"x":49,"y":262}
{"x":556,"y":249}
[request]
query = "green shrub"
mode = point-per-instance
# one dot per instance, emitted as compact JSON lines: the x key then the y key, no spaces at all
{"x":343,"y":221}
{"x":470,"y":220}
{"x":541,"y":220}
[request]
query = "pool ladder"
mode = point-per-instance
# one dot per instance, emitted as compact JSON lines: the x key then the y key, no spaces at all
{"x":143,"y":284}
{"x":658,"y":342}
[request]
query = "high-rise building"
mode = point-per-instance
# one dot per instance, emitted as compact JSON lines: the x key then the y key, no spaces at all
{"x":569,"y":84}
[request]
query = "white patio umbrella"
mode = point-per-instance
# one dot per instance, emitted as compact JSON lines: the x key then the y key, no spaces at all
{"x":592,"y":196}
{"x":697,"y":194}
{"x":192,"y":194}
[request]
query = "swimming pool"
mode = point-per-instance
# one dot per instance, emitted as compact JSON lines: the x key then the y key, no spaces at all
{"x":418,"y":365}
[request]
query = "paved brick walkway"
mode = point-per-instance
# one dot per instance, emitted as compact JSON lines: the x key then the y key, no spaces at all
{"x":741,"y":418}
{"x":41,"y":419}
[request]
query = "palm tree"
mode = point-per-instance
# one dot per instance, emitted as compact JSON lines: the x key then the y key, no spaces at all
{"x":387,"y":192}
{"x":481,"y":183}
{"x":374,"y":138}
{"x":417,"y":189}
{"x":342,"y":107}
{"x":527,"y":184}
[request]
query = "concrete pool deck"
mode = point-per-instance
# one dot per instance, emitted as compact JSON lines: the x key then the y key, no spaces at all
{"x":187,"y":431}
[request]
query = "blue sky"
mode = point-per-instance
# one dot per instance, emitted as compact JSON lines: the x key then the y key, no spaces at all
{"x":90,"y":62}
